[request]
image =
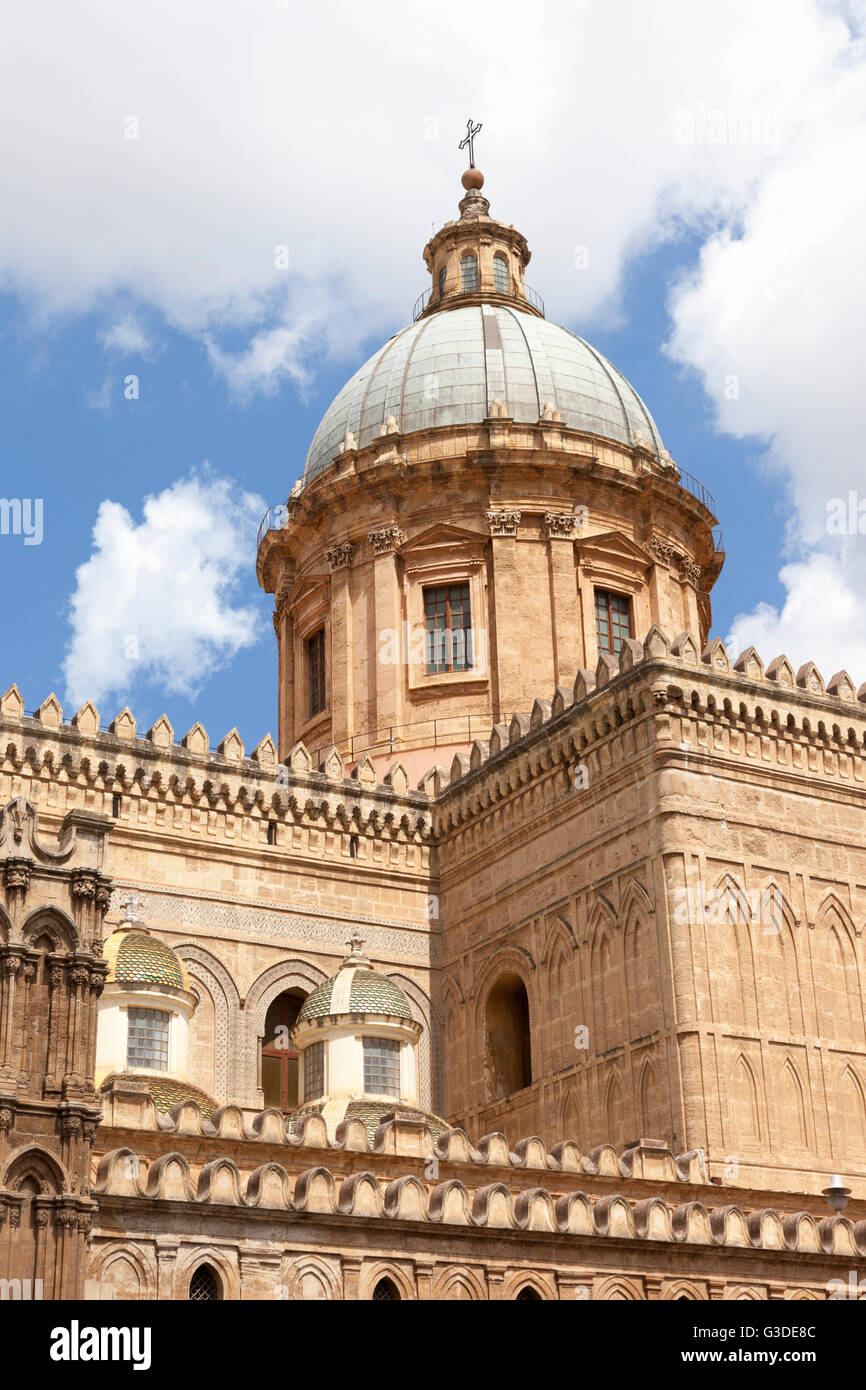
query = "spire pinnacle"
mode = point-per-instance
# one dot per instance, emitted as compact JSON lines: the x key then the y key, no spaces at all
{"x":356,"y":951}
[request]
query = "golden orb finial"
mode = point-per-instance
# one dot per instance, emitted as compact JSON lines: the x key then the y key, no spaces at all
{"x":473,"y":178}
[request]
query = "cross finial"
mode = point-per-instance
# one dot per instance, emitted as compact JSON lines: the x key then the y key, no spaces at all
{"x":355,"y":945}
{"x":130,"y":907}
{"x":472,"y":129}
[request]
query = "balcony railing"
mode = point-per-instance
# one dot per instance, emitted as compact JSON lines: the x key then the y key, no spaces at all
{"x":697,"y":489}
{"x":453,"y":288}
{"x":274,"y":519}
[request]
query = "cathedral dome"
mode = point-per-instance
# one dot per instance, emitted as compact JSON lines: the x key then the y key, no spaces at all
{"x":355,"y":990}
{"x":136,"y":957}
{"x":448,"y":368}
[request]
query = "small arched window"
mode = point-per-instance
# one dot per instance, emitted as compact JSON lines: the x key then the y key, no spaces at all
{"x":279,"y":1058}
{"x":469,"y":273}
{"x":386,"y":1292}
{"x":508,"y":1043}
{"x":500,"y":274}
{"x":205,"y":1286}
{"x":442,"y":281}
{"x":528,"y":1295}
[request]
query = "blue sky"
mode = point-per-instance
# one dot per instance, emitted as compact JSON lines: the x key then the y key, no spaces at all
{"x":709,"y":163}
{"x":60,"y":448}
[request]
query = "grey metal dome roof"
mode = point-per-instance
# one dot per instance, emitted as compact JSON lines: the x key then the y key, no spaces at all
{"x":447,"y":369}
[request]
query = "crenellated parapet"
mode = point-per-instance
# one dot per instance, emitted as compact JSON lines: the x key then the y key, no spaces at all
{"x":651,"y":696}
{"x":189,"y":787}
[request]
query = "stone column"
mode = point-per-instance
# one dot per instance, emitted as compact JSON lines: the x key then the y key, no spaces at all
{"x":351,"y":1279}
{"x":690,"y":582}
{"x":341,"y":656}
{"x":507,"y":677}
{"x":386,"y":681}
{"x":58,"y":1013}
{"x":259,"y":1267}
{"x":567,"y":644}
{"x":286,"y":684}
{"x":11,"y":966}
{"x":574,"y":1287}
{"x":424,"y":1280}
{"x":166,"y":1262}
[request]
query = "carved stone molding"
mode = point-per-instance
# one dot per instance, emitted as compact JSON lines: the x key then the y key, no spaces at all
{"x":386,"y":539}
{"x":339,"y":556}
{"x":7,"y":1117}
{"x":503,"y":523}
{"x":661,"y":551}
{"x":560,"y":525}
{"x":281,"y":604}
{"x":84,"y":883}
{"x":690,"y":572}
{"x":16,"y":873}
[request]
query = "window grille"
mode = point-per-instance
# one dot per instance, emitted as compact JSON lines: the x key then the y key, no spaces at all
{"x":147,"y":1039}
{"x":314,"y":1071}
{"x":382,"y":1066}
{"x":469,"y":273}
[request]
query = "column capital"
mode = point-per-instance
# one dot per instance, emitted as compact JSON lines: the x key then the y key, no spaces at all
{"x":503,"y":523}
{"x":339,"y":556}
{"x":387,"y":539}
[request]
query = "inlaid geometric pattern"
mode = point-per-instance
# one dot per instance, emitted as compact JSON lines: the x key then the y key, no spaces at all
{"x":141,"y":957}
{"x":371,"y":993}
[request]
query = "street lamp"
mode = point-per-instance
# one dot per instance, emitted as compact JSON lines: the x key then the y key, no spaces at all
{"x":837,"y":1194}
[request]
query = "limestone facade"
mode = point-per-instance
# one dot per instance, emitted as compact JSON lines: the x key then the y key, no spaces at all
{"x":621,"y":886}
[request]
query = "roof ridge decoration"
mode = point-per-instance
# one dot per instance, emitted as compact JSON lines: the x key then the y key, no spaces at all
{"x":364,"y":1194}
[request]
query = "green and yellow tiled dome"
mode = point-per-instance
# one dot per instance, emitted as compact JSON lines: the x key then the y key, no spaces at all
{"x":167,"y":1091}
{"x":136,"y":957}
{"x":371,"y":1114}
{"x":368,"y":993}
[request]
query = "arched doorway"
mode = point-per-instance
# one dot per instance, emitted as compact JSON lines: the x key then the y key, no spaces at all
{"x":279,"y":1059}
{"x":509,"y":1053}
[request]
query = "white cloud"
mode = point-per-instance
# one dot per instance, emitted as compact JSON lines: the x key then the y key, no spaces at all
{"x":332,"y":133}
{"x":772,"y":320}
{"x":288,"y":164}
{"x":156,"y":601}
{"x":821,"y":620}
{"x":127,"y":336}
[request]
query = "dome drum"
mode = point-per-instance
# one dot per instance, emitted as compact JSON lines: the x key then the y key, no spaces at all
{"x":488,"y":482}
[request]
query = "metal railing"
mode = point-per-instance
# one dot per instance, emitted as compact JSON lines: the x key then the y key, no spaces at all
{"x":697,"y":489}
{"x":274,"y":519}
{"x":452,"y":289}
